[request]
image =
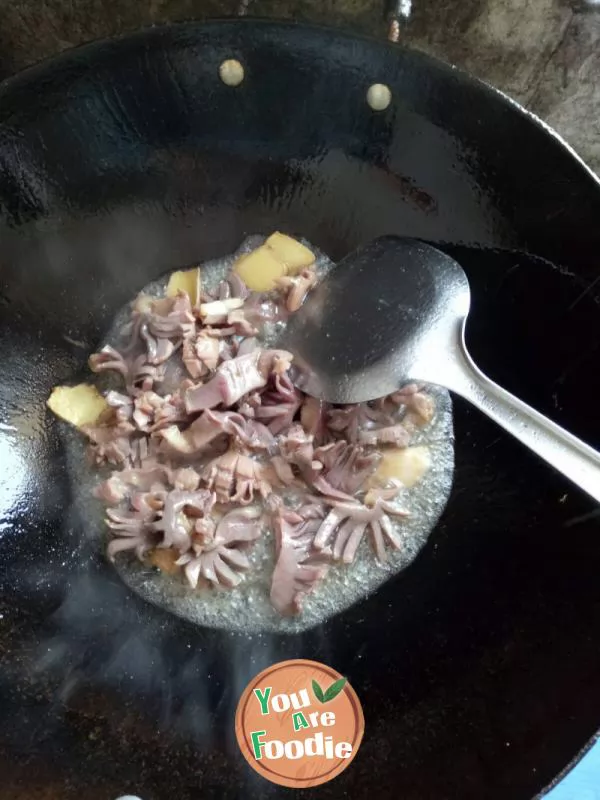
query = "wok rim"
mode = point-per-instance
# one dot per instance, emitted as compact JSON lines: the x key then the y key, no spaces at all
{"x":72,"y":54}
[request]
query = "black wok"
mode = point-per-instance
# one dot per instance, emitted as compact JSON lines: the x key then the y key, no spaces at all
{"x":478,"y":666}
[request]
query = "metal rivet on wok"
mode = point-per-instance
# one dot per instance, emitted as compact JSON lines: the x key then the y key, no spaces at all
{"x":379,"y":96}
{"x":231,"y":72}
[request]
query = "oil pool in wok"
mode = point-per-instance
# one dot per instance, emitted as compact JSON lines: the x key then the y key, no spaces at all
{"x":247,"y":607}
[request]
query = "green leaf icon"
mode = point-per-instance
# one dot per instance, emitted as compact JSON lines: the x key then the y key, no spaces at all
{"x":318,"y":691}
{"x":331,"y":693}
{"x":334,"y":690}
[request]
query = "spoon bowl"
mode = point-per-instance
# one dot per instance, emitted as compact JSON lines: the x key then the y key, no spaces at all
{"x":384,"y":317}
{"x":395,"y":312}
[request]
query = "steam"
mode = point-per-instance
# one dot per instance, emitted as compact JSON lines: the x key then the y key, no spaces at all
{"x":185,"y":682}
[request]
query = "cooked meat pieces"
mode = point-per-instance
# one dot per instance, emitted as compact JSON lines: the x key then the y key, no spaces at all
{"x":214,"y":447}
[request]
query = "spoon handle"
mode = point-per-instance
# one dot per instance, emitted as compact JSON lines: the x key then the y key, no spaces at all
{"x":566,"y":453}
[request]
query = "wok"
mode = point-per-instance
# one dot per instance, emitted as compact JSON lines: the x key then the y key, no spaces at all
{"x":478,"y":666}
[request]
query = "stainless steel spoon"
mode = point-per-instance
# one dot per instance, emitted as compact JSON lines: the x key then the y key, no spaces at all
{"x":395,"y":311}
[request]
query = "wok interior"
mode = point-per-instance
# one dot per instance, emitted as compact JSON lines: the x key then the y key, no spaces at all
{"x":476,"y":666}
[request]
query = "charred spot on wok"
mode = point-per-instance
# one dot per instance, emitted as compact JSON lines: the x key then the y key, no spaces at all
{"x":226,"y":482}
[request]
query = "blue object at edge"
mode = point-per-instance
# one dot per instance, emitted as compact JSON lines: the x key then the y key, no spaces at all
{"x":583,"y":781}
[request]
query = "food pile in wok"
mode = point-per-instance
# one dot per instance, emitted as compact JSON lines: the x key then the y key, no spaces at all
{"x":210,"y":446}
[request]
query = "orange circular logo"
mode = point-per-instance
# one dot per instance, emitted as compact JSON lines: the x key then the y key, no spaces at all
{"x":299,"y":723}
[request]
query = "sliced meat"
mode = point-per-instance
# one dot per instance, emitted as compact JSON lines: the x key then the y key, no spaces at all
{"x":109,"y":360}
{"x":212,"y":424}
{"x":208,"y":419}
{"x":220,"y":558}
{"x":314,"y":416}
{"x":345,"y":525}
{"x":346,"y":467}
{"x":396,"y":435}
{"x":298,"y":568}
{"x":296,"y":288}
{"x":201,"y":354}
{"x":235,"y":478}
{"x":132,"y":531}
{"x":170,"y":317}
{"x":279,"y":403}
{"x":235,"y":378}
{"x":175,"y":524}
